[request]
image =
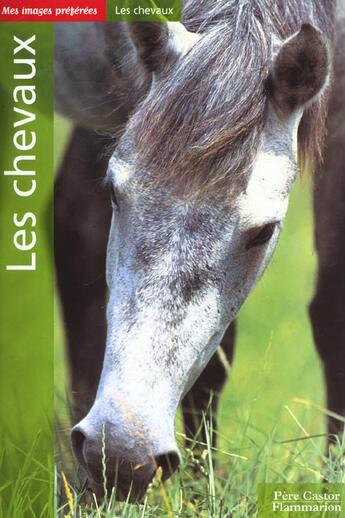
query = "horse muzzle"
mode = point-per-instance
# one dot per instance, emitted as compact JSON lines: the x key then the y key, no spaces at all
{"x":122,"y":455}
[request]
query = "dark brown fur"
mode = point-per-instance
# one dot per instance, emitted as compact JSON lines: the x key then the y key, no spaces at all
{"x":327,"y":310}
{"x":82,"y":219}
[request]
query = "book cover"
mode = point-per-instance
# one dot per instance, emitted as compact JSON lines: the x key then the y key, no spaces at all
{"x":172,"y":314}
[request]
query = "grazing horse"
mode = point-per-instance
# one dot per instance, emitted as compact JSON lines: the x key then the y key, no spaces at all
{"x":212,"y":119}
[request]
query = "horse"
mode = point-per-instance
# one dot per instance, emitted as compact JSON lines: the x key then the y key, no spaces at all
{"x":199,"y":129}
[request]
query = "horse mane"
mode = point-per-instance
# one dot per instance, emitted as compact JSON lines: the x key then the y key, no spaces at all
{"x":204,"y":122}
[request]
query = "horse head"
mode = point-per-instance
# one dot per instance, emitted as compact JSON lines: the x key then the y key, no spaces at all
{"x":200,"y":182}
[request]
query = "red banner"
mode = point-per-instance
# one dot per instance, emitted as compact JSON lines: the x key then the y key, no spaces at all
{"x":52,"y":10}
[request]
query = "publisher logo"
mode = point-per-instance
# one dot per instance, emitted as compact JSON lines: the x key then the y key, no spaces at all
{"x":301,"y":500}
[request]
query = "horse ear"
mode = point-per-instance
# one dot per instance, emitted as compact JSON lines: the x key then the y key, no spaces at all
{"x":160,"y":45}
{"x":300,"y":70}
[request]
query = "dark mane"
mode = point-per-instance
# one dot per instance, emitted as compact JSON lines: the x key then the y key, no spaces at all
{"x":204,"y":122}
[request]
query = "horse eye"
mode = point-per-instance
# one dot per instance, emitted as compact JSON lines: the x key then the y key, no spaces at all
{"x":262,"y":236}
{"x":113,"y":196}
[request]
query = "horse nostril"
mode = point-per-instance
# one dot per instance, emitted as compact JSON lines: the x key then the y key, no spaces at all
{"x":169,"y":462}
{"x":78,"y":439}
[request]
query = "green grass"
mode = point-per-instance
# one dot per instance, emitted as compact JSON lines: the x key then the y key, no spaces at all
{"x":226,"y":489}
{"x":271,"y":419}
{"x":30,"y":493}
